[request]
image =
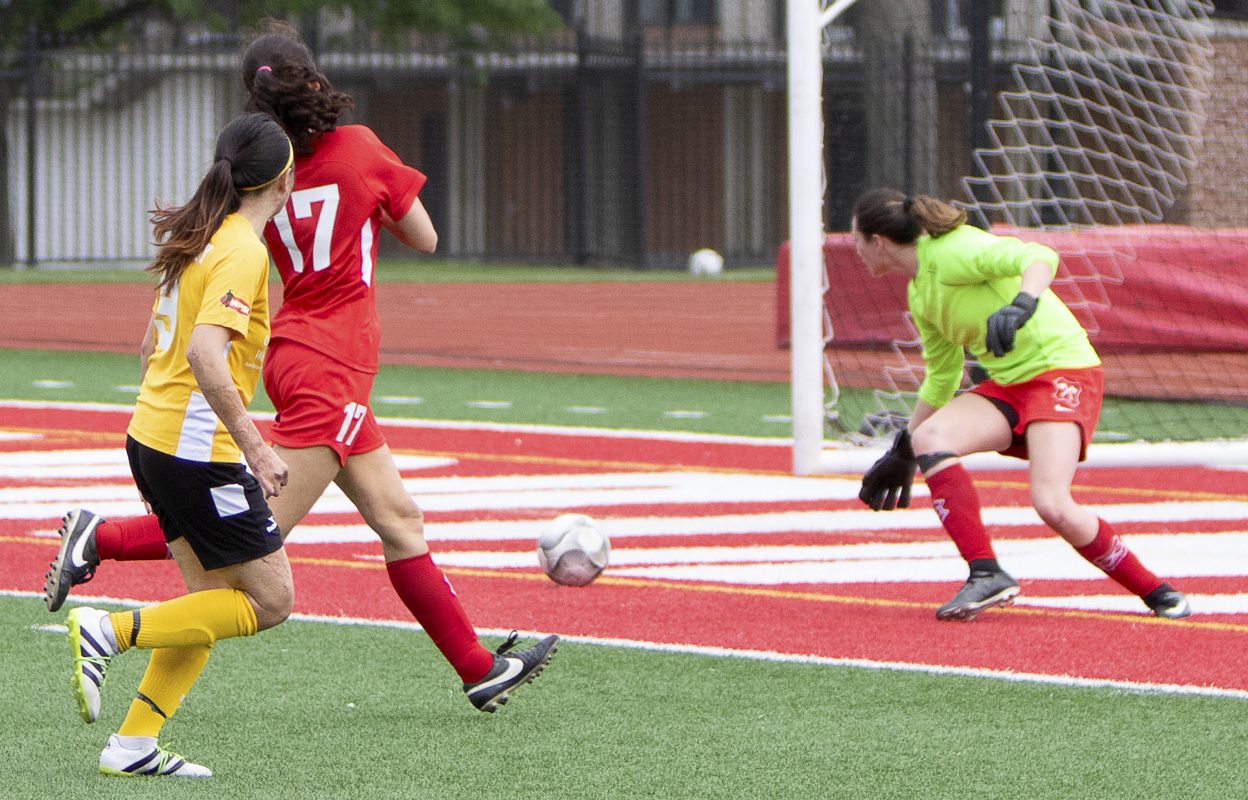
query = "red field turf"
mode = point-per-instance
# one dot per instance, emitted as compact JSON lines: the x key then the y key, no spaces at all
{"x":875,"y":620}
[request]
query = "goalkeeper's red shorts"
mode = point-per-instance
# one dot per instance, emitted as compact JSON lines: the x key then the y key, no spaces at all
{"x":1064,"y":395}
{"x":319,"y":401}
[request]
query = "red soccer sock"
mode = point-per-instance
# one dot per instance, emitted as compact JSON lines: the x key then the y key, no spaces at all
{"x":957,"y":504}
{"x":131,"y":539}
{"x":428,"y":594}
{"x":1107,"y":553}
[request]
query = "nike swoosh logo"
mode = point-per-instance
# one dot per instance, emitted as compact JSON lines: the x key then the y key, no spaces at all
{"x":1064,"y":408}
{"x":76,"y":557}
{"x":514,"y":668}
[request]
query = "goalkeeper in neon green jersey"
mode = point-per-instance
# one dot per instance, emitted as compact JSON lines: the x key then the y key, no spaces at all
{"x":990,"y":295}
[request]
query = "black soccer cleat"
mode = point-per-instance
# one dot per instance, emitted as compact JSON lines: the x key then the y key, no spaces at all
{"x":1168,"y":602}
{"x":77,"y":559}
{"x":984,"y":589}
{"x":509,"y":672}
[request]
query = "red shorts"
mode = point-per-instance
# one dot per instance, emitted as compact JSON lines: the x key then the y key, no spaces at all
{"x":1064,"y":395}
{"x":319,"y":401}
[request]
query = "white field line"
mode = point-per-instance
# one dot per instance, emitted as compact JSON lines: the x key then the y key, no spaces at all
{"x":1063,"y":681}
{"x":561,"y":491}
{"x":469,"y":425}
{"x":1211,"y":453}
{"x":1182,"y":554}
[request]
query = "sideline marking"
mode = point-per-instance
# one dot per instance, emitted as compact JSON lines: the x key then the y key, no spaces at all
{"x":1063,"y":681}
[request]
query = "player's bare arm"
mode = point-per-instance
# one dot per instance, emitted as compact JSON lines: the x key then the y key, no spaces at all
{"x":1036,"y":278}
{"x":206,"y":355}
{"x":415,"y":229}
{"x":922,"y":410}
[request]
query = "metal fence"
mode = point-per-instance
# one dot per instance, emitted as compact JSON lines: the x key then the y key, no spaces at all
{"x":635,"y":149}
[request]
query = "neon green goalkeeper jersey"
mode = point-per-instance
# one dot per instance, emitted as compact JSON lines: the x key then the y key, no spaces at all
{"x":964,"y":277}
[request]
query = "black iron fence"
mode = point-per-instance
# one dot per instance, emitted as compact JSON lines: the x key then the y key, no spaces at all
{"x":570,"y":149}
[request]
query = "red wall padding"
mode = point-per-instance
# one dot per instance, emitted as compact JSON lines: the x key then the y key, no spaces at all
{"x":1180,"y":288}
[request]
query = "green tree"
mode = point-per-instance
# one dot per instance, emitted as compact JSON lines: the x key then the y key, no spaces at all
{"x":31,"y":25}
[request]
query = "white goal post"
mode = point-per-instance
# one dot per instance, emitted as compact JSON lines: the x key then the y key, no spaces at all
{"x":806,"y":21}
{"x":1101,"y":131}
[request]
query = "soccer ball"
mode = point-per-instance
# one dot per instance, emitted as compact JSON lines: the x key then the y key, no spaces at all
{"x":706,"y":262}
{"x":573,"y":550}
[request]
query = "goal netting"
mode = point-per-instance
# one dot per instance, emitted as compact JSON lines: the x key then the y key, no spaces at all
{"x":1117,"y":142}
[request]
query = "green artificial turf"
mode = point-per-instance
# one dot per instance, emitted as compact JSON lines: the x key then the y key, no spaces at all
{"x":752,"y":409}
{"x":313,"y":710}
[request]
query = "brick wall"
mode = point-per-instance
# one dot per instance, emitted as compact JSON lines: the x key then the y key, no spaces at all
{"x":1218,"y":196}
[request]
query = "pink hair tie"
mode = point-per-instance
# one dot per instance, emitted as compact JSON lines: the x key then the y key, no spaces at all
{"x":265,"y":68}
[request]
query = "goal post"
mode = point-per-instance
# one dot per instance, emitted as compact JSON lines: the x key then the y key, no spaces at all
{"x":1117,"y":144}
{"x":806,"y":21}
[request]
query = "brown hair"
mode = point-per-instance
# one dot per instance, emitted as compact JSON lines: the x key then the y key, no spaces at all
{"x":279,"y":74}
{"x":903,"y":218}
{"x":252,"y":151}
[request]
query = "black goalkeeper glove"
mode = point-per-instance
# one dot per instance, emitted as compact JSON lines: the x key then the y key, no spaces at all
{"x":887,"y":484}
{"x":1005,"y":323}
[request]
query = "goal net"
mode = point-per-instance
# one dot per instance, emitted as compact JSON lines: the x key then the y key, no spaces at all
{"x":1117,"y":143}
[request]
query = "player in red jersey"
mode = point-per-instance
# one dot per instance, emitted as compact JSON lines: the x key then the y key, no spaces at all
{"x":323,"y":358}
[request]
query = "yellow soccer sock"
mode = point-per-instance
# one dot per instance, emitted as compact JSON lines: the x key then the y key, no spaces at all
{"x":199,"y":618}
{"x":169,"y":676}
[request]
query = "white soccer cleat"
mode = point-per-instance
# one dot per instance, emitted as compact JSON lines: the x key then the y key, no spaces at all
{"x":92,"y":649}
{"x":148,"y":759}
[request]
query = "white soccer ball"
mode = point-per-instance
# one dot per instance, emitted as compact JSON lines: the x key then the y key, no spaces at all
{"x":705,"y":262}
{"x":573,"y":550}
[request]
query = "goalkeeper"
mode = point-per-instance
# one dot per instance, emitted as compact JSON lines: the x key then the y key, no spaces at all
{"x":990,"y":294}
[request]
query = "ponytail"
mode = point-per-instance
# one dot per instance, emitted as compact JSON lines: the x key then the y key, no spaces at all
{"x":252,"y":152}
{"x":936,"y":216}
{"x":183,"y":232}
{"x":902,"y":218}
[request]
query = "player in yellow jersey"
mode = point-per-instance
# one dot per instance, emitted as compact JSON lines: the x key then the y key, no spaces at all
{"x":320,"y":369}
{"x":187,"y":442}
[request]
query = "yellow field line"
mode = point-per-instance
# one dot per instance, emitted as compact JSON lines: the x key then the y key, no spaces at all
{"x":782,"y":594}
{"x":742,"y":591}
{"x":69,"y":435}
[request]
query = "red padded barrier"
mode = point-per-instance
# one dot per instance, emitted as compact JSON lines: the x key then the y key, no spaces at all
{"x":1182,"y":289}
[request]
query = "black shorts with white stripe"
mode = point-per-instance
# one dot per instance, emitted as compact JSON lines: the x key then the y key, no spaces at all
{"x":219,"y":508}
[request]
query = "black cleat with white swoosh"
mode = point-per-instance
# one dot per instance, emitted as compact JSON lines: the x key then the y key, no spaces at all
{"x":76,"y":561}
{"x":510,"y":672}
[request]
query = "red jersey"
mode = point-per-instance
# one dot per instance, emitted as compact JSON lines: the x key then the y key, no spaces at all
{"x":324,"y":242}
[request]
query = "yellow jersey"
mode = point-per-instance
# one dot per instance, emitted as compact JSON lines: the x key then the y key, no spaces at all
{"x":227,"y":286}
